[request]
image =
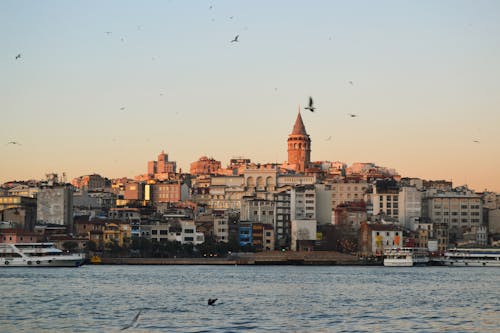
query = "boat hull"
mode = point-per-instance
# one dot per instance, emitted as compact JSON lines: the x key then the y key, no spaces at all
{"x":42,"y":262}
{"x":472,"y":263}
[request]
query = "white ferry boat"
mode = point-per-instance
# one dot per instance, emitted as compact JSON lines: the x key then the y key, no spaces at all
{"x":472,"y":257}
{"x":37,"y":255}
{"x":406,"y":257}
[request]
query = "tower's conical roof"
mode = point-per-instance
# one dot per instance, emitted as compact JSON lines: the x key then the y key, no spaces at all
{"x":299,"y":127}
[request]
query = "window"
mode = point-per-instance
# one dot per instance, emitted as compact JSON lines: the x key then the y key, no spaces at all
{"x":188,"y":231}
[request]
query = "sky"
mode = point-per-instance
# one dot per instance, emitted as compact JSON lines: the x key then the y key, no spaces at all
{"x":105,"y":86}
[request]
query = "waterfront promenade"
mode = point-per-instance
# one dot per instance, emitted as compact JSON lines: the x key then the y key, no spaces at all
{"x":261,"y":258}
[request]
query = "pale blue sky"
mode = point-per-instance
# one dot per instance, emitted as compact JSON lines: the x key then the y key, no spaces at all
{"x":426,"y":84}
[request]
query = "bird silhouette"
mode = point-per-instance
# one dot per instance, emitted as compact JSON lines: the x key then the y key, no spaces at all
{"x":476,"y":141}
{"x":122,"y":108}
{"x":352,"y":115}
{"x":18,"y":56}
{"x":132,"y":323}
{"x":351,"y":83}
{"x":235,"y":39}
{"x":13,"y":143}
{"x":211,"y":301}
{"x":310,"y":107}
{"x":108,"y":32}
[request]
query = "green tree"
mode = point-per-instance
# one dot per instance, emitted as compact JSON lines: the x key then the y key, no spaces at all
{"x":91,"y":246}
{"x":70,"y":245}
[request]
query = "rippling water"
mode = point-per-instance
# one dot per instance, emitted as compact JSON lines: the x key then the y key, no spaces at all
{"x":251,"y":298}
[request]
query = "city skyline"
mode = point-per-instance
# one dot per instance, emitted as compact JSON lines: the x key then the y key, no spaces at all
{"x":104,"y":87}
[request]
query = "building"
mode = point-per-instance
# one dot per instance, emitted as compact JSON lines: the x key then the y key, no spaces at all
{"x":257,"y":210}
{"x":323,"y":204}
{"x":204,"y":166}
{"x":460,"y":209}
{"x":346,"y":190}
{"x":282,"y":226}
{"x":89,"y":182}
{"x":376,"y":237}
{"x":103,"y":231}
{"x":351,"y":215}
{"x":303,"y":217}
{"x":221,"y":228}
{"x":134,"y":191}
{"x":12,"y":236}
{"x":410,"y":206}
{"x":182,"y":231}
{"x":55,"y":205}
{"x":166,"y":192}
{"x":19,"y":210}
{"x":162,"y":168}
{"x":303,"y":235}
{"x":299,"y":147}
{"x":385,"y":198}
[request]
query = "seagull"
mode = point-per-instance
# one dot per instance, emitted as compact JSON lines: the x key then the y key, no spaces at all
{"x":231,"y":17}
{"x":351,"y":83}
{"x":476,"y":141}
{"x":211,"y":301}
{"x":310,"y":107}
{"x":132,"y":322}
{"x":235,"y":39}
{"x":13,"y":143}
{"x":18,"y":56}
{"x":352,"y":115}
{"x":122,"y":108}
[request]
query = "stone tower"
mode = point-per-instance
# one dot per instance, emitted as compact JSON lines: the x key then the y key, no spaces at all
{"x":299,"y":146}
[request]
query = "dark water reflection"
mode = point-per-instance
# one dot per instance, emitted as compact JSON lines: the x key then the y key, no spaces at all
{"x":251,"y":299}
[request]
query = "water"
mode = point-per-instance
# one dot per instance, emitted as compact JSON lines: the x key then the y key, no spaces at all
{"x":251,"y":299}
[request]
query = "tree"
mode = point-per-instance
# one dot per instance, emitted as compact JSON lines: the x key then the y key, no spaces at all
{"x":70,"y":245}
{"x":91,"y":246}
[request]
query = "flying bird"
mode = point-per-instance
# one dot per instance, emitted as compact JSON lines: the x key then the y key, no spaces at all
{"x":476,"y":141}
{"x":122,"y":108}
{"x":108,"y":32}
{"x":351,"y":83}
{"x":310,"y":107}
{"x":211,"y":301}
{"x":352,"y":115}
{"x":235,"y":39}
{"x":329,"y":138}
{"x":18,"y":56}
{"x":132,"y":323}
{"x":13,"y":143}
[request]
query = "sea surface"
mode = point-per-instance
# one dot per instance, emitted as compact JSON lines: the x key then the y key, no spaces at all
{"x":250,"y":299}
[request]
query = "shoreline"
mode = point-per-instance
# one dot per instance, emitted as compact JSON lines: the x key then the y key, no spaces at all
{"x":262,"y":258}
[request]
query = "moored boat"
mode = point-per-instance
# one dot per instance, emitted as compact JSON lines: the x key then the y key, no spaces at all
{"x":472,"y":257}
{"x":37,"y":255}
{"x":406,"y":257}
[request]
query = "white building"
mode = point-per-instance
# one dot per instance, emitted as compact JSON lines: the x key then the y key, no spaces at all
{"x":183,"y":232}
{"x":55,"y":205}
{"x":410,"y":206}
{"x":221,"y":228}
